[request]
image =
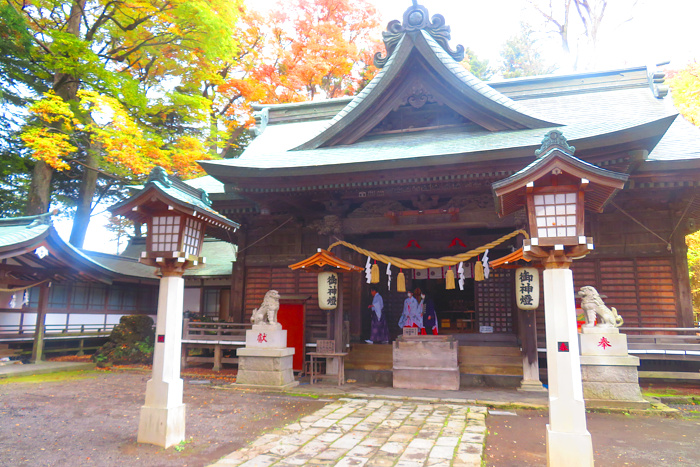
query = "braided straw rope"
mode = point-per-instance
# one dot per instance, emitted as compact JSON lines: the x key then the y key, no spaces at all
{"x":429,"y":263}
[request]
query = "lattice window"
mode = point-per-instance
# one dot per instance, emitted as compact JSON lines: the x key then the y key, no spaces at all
{"x":166,"y":230}
{"x":193,"y":236}
{"x":494,"y":301}
{"x":555,"y":215}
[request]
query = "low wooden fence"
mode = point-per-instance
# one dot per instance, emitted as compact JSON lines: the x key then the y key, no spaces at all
{"x":217,"y":336}
{"x":14,"y":338}
{"x":663,"y":343}
{"x":221,"y":336}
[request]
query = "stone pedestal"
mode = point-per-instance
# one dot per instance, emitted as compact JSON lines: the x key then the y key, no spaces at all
{"x":162,"y":417}
{"x":266,"y":361}
{"x":426,"y":362}
{"x":609,"y":373}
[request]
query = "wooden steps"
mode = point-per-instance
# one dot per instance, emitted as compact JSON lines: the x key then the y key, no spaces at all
{"x":478,"y":359}
{"x":369,"y":357}
{"x":492,"y":360}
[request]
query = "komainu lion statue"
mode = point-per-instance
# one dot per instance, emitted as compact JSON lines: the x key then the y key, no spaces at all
{"x":593,"y":305}
{"x":268,"y":309}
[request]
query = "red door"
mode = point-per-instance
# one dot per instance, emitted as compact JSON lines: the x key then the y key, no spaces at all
{"x":291,"y":317}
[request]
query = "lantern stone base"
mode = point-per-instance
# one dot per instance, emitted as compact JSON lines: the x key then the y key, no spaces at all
{"x":425,"y":362}
{"x":265,"y":368}
{"x":573,"y":449}
{"x":163,"y":427}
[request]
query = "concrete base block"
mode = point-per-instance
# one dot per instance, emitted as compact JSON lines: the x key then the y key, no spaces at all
{"x":610,"y":404}
{"x":603,"y":343}
{"x":266,"y":336}
{"x":426,"y":378}
{"x":531,"y":386}
{"x":162,"y":427}
{"x":569,"y":449}
{"x":613,"y":380}
{"x":265,"y":378}
{"x":426,"y":362}
{"x":285,"y":387}
{"x":265,"y":367}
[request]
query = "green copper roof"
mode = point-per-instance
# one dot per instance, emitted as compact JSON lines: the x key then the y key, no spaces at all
{"x":18,"y":230}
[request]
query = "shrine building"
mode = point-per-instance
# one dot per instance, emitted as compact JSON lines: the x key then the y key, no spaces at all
{"x":405,"y":169}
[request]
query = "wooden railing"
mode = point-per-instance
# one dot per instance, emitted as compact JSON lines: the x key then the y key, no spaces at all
{"x":663,"y":343}
{"x":218,"y":331}
{"x":25,"y":332}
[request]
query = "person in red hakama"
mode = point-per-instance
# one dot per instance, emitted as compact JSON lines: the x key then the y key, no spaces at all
{"x":427,"y":307}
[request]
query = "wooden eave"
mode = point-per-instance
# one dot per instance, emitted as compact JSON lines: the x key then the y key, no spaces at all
{"x":62,"y":263}
{"x":413,"y":56}
{"x":603,"y":184}
{"x":324,"y":260}
{"x":594,"y":148}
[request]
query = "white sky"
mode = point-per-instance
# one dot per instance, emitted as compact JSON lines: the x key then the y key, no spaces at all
{"x":660,"y":30}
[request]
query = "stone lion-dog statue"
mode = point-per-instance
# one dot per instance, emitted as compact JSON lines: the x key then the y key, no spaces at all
{"x":593,"y":305}
{"x":268,"y":309}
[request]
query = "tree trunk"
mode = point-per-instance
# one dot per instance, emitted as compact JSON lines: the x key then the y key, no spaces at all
{"x":39,"y":189}
{"x":66,"y":87}
{"x":88,"y":186}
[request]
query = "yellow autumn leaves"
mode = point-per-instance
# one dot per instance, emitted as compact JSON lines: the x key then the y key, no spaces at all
{"x":54,"y":133}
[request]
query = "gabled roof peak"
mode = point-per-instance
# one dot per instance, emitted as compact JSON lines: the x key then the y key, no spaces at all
{"x":416,"y":19}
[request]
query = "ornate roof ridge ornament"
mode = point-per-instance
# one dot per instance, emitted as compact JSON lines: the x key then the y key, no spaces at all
{"x":554,"y":139}
{"x":415,"y":19}
{"x":158,"y":174}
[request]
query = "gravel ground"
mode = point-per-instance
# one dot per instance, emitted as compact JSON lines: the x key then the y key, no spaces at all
{"x":618,"y":439}
{"x":94,"y":421}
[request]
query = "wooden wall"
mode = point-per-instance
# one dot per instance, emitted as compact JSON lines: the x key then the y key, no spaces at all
{"x":642,"y":290}
{"x":261,"y":279}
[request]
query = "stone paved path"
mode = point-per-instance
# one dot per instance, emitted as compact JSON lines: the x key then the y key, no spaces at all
{"x":374,"y":433}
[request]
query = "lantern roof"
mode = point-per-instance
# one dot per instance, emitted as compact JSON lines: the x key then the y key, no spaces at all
{"x":511,"y":260}
{"x":556,"y":155}
{"x":324,"y":260}
{"x":167,"y":192}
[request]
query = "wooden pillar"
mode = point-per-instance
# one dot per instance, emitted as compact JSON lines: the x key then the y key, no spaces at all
{"x":338,"y":315}
{"x":38,"y":347}
{"x":225,"y":305}
{"x":684,"y":309}
{"x":237,"y":298}
{"x":356,"y":308}
{"x":217,"y":358}
{"x":531,"y":366}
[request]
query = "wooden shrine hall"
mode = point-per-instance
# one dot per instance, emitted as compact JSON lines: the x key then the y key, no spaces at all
{"x":405,"y":169}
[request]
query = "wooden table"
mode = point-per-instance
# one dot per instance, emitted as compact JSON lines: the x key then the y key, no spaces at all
{"x":339,"y":356}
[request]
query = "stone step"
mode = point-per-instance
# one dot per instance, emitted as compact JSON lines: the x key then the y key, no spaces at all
{"x":478,"y":351}
{"x":496,"y":360}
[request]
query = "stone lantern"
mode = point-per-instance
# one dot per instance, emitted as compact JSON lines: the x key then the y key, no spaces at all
{"x":556,"y":189}
{"x":177,"y":216}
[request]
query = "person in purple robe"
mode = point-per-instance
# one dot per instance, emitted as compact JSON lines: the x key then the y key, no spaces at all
{"x":380,"y":329}
{"x":429,"y":316}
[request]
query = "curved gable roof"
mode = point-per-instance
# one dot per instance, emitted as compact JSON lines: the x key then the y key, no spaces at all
{"x":418,"y":63}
